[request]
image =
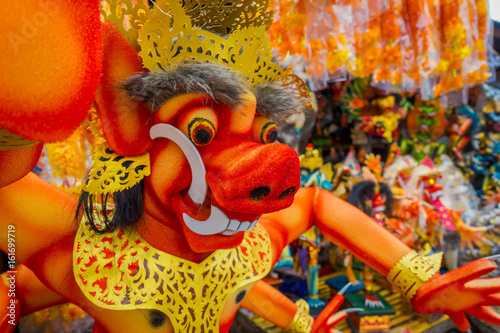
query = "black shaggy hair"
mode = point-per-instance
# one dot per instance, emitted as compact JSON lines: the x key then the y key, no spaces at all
{"x":220,"y":83}
{"x":277,"y":102}
{"x":128,"y":208}
{"x":365,"y":190}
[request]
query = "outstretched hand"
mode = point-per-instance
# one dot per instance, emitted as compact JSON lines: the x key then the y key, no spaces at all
{"x":461,"y":291}
{"x":470,"y":235}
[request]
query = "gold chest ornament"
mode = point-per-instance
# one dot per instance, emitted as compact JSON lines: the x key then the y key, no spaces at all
{"x":120,"y":271}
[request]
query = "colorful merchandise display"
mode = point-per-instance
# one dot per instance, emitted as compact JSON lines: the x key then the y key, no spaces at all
{"x":161,"y":198}
{"x":444,"y":159}
{"x":430,"y":46}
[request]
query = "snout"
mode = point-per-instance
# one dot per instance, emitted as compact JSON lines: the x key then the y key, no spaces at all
{"x":252,"y":178}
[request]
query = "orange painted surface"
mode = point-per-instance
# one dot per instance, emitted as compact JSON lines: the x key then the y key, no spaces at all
{"x":341,"y":223}
{"x":15,"y":164}
{"x":270,"y":304}
{"x":50,"y":65}
{"x":39,"y":212}
{"x":125,"y":122}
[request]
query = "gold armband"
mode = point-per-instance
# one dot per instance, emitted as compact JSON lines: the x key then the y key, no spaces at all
{"x":412,"y":271}
{"x":302,"y":321}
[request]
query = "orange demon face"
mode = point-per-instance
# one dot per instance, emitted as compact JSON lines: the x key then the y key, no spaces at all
{"x":247,"y":173}
{"x":215,"y":165}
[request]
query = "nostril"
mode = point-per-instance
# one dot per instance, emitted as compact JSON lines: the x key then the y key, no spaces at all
{"x":260,"y":192}
{"x":287,"y":192}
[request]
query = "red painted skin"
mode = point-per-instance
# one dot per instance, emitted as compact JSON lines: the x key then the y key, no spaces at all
{"x":236,"y":163}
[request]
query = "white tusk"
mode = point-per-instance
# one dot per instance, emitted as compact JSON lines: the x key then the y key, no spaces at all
{"x":198,"y":190}
{"x":218,"y":222}
{"x":215,"y":224}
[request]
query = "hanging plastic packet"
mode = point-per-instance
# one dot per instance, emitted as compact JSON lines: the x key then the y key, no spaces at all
{"x":425,"y":41}
{"x":366,"y":27}
{"x":287,"y":31}
{"x":391,"y":28}
{"x":340,"y":41}
{"x":408,"y":81}
{"x":478,"y":48}
{"x":485,"y":56}
{"x":429,"y":83}
{"x":456,"y":44}
{"x":317,"y":33}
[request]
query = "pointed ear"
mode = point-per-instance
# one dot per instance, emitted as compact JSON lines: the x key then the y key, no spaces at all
{"x":125,"y":122}
{"x":15,"y":164}
{"x":50,"y":65}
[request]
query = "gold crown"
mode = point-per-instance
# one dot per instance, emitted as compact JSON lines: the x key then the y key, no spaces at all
{"x":231,"y":34}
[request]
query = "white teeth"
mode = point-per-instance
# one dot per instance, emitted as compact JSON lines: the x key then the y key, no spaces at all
{"x":233,"y":225}
{"x":244,"y":226}
{"x":228,"y":232}
{"x":254,"y":223}
{"x":217,"y":223}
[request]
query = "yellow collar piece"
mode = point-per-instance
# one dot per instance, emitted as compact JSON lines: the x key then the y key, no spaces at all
{"x":120,"y":271}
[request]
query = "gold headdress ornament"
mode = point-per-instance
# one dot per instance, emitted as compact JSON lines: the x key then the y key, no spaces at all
{"x":175,"y":34}
{"x":128,"y":16}
{"x":231,"y":34}
{"x":111,"y":172}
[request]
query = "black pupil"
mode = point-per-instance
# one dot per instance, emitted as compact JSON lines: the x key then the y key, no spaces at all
{"x":240,"y":296}
{"x":273,"y":136}
{"x":157,"y":318}
{"x":202,"y":136}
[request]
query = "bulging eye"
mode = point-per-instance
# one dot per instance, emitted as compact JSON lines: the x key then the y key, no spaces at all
{"x":201,"y":131}
{"x":264,"y":130}
{"x":199,"y":125}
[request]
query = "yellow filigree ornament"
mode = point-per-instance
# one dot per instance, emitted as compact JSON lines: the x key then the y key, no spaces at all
{"x":111,"y":172}
{"x":10,"y":141}
{"x":169,"y":38}
{"x":412,"y":271}
{"x":222,"y":17}
{"x":129,"y":16}
{"x":302,"y":321}
{"x":232,"y":34}
{"x":294,"y":81}
{"x":119,"y":271}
